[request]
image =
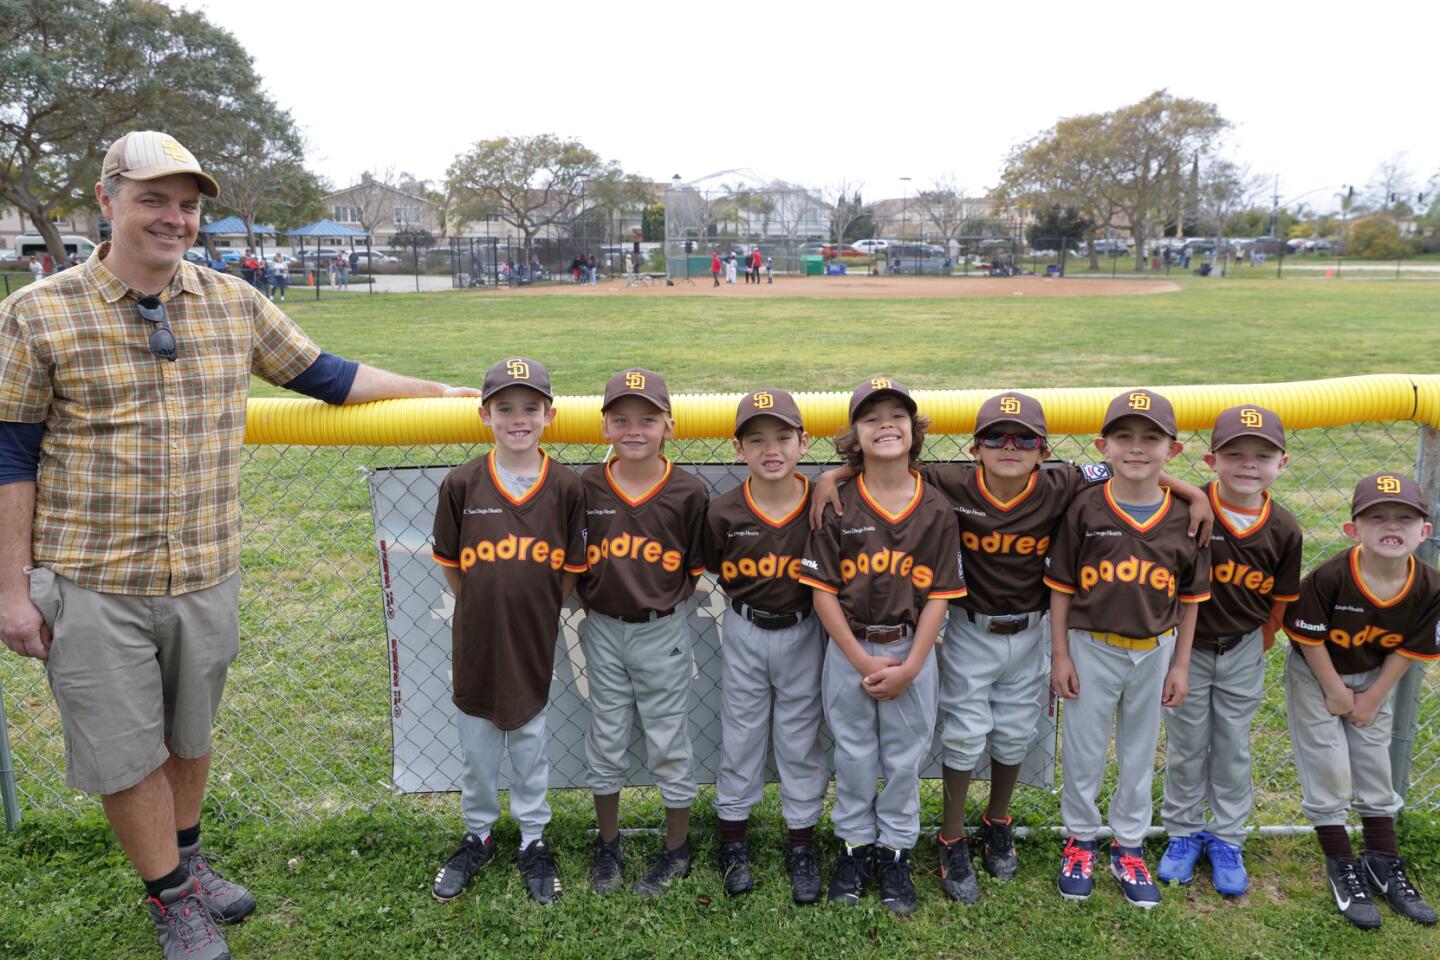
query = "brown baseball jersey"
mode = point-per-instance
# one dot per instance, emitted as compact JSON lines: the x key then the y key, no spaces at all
{"x":1336,"y":610}
{"x":1249,"y":569}
{"x":1126,"y":577}
{"x":884,"y":567}
{"x":1004,"y":541}
{"x":643,"y":552}
{"x":512,"y":553}
{"x":756,"y":556}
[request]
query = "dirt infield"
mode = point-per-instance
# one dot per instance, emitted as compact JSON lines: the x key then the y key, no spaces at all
{"x":876,"y":287}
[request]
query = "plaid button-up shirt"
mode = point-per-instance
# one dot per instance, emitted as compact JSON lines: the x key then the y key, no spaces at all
{"x":138,"y":489}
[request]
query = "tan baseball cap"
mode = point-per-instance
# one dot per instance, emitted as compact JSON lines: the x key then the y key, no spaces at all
{"x":1141,"y":403}
{"x":1247,"y":421}
{"x":637,"y":382}
{"x":1387,"y":488}
{"x":768,"y":402}
{"x":150,"y":155}
{"x":875,"y":386}
{"x":1011,"y":408}
{"x":516,"y":372}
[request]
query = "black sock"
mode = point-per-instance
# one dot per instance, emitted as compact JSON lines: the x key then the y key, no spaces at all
{"x":170,"y":881}
{"x":801,"y":837}
{"x":1379,"y":833}
{"x":188,"y":837}
{"x":733,"y":831}
{"x":1335,"y":842}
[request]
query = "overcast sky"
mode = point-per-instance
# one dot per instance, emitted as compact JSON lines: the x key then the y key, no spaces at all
{"x":818,"y":92}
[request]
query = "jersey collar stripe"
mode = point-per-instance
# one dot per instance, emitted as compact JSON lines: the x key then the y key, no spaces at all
{"x":995,"y":501}
{"x":886,"y":514}
{"x":1360,"y":581}
{"x":1220,"y":506}
{"x":534,"y":487}
{"x":780,"y":521}
{"x":1148,"y":525}
{"x":636,"y":501}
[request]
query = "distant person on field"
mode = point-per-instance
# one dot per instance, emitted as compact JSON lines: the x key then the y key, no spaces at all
{"x":769,"y":275}
{"x":37,"y":269}
{"x":342,"y":270}
{"x":354,"y":262}
{"x":279,"y":277}
{"x":714,"y":266}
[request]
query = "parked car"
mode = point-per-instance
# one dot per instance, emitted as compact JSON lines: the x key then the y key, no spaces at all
{"x":1109,"y":246}
{"x":368,"y":257}
{"x":814,"y":248}
{"x":870,"y":246}
{"x":840,"y":250}
{"x":8,"y":255}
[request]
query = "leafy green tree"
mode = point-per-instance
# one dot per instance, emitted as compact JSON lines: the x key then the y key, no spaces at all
{"x":1377,"y":238}
{"x":652,"y":227}
{"x":1056,"y":228}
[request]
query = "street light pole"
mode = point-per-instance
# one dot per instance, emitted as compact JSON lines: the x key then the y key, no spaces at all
{"x":904,"y":209}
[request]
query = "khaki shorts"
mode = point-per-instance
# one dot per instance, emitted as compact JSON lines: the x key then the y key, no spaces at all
{"x":131,"y":674}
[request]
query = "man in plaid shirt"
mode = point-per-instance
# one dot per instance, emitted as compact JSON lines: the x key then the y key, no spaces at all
{"x":122,"y":413}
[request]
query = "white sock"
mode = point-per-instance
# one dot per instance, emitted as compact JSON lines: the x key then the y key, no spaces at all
{"x":527,"y":838}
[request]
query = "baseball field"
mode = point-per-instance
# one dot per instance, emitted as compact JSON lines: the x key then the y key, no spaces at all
{"x":336,"y":878}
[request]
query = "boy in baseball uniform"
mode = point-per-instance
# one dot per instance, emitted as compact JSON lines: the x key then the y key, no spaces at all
{"x":1364,"y":617}
{"x":509,"y":536}
{"x":882,"y":577}
{"x":1254,"y":572}
{"x":773,"y":646}
{"x":1125,"y":580}
{"x":644,"y":552}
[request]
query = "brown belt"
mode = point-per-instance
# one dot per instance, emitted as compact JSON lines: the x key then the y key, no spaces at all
{"x":1219,"y":645}
{"x":1004,"y":624}
{"x":883,"y":634}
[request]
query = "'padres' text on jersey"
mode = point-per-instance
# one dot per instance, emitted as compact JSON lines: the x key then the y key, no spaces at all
{"x":1337,"y":610}
{"x":758,"y":557}
{"x":643,"y":552}
{"x":1126,"y":577}
{"x":1249,"y":569}
{"x":1005,"y":541}
{"x":512,"y":553}
{"x":884,"y":567}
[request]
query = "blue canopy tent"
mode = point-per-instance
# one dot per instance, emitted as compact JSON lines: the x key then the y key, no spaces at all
{"x":330,"y":230}
{"x":234,"y":226}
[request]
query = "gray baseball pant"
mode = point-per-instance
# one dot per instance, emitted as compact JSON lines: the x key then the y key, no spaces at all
{"x":992,"y":690}
{"x":874,"y":739}
{"x":1207,"y":753}
{"x":482,"y":744}
{"x":1120,"y":690}
{"x":647,"y":668}
{"x":761,"y":667}
{"x":1336,"y":760}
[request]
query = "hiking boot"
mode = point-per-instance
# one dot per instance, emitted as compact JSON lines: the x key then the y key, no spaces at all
{"x":228,"y":902}
{"x":1181,"y":856}
{"x":1077,"y":868}
{"x":996,"y":843}
{"x":605,"y":876}
{"x":957,"y":876}
{"x":472,"y":854}
{"x":735,"y":868}
{"x":667,"y":867}
{"x":804,"y":865}
{"x":1351,"y":900}
{"x":537,"y":866}
{"x":1386,"y":876}
{"x":1227,"y":867}
{"x":850,"y":873}
{"x":897,"y":890}
{"x":184,"y":924}
{"x":1128,"y":866}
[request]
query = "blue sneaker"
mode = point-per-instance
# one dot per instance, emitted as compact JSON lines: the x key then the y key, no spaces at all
{"x":1128,"y":866}
{"x":1077,"y":864}
{"x":1227,"y":867}
{"x":1181,"y":856}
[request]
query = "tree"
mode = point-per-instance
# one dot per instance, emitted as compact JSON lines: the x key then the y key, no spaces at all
{"x":1056,"y":228}
{"x":652,"y":224}
{"x":1377,"y":238}
{"x":1391,"y":185}
{"x":943,"y":205}
{"x":76,"y":74}
{"x":415,"y":239}
{"x":1226,"y":190}
{"x":846,"y":209}
{"x":262,"y":175}
{"x":613,"y":191}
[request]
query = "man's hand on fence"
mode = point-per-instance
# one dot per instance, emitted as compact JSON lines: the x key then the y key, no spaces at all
{"x":23,"y":629}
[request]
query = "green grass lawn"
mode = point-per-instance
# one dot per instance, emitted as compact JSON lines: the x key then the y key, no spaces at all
{"x":298,"y":803}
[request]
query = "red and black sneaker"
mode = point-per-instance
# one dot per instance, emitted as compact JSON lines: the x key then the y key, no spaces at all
{"x":1128,"y":866}
{"x":1077,"y":864}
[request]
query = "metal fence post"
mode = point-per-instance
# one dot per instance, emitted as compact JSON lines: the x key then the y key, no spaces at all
{"x":8,"y":794}
{"x":1407,"y":691}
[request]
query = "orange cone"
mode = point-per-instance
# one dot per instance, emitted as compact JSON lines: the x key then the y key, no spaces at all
{"x":310,"y":279}
{"x":1329,"y":272}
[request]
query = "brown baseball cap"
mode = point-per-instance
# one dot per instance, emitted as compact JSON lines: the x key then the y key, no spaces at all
{"x":1011,"y":408}
{"x":516,"y":372}
{"x":1247,"y":421}
{"x":1141,"y":403}
{"x":768,"y":402}
{"x":637,"y":382}
{"x":875,"y":386}
{"x":150,"y":155}
{"x":1387,"y":488}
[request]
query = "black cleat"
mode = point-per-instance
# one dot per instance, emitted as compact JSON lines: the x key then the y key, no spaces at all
{"x":957,"y":876}
{"x":1351,"y":900}
{"x":605,"y":876}
{"x":462,"y":866}
{"x":537,"y":866}
{"x":995,"y":842}
{"x":735,"y":868}
{"x":850,"y":873}
{"x":804,"y":864}
{"x":667,"y":867}
{"x":897,"y":890}
{"x":1385,"y":875}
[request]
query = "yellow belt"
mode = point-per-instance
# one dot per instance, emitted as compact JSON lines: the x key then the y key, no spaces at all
{"x":1127,"y":643}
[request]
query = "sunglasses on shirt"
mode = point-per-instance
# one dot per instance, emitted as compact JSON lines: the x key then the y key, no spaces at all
{"x":1022,"y":441}
{"x":162,"y":338}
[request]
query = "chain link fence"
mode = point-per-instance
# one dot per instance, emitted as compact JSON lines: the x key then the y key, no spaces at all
{"x":305,"y":729}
